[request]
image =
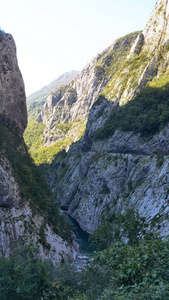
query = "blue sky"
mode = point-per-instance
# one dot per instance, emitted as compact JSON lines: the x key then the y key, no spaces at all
{"x":56,"y":36}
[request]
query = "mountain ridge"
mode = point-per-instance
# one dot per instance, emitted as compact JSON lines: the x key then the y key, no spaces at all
{"x":115,"y":167}
{"x":43,"y":92}
{"x":69,"y":106}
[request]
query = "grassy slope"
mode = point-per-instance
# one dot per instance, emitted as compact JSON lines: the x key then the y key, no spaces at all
{"x":33,"y":137}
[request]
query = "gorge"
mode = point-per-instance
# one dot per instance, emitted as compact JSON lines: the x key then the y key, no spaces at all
{"x":101,"y":143}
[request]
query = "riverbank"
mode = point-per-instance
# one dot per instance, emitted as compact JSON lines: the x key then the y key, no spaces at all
{"x":85,"y":253}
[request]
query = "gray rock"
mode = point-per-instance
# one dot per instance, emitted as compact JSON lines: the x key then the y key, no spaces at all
{"x":12,"y":91}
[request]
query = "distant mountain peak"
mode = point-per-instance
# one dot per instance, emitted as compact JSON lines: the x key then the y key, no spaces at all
{"x":42,"y":93}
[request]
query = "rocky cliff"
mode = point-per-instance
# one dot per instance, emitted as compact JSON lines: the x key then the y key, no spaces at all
{"x":25,"y":202}
{"x":122,"y":160}
{"x":66,"y":110}
{"x":118,"y":73}
{"x":40,"y":96}
{"x":120,"y":172}
{"x":73,"y":102}
{"x":12,"y":91}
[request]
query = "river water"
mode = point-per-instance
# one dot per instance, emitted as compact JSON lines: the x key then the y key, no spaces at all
{"x":82,"y":236}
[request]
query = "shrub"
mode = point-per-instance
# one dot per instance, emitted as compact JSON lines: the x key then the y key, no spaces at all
{"x":147,"y":114}
{"x":32,"y":183}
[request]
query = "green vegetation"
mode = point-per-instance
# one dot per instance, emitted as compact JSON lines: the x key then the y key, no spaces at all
{"x":113,"y":59}
{"x":120,"y":71}
{"x":23,"y":276}
{"x":34,"y":106}
{"x":127,"y":74}
{"x":33,"y":137}
{"x":64,"y":127}
{"x":46,"y":154}
{"x":137,"y":268}
{"x":131,"y":272}
{"x":31,"y":181}
{"x":33,"y":134}
{"x":119,"y":227}
{"x":133,"y":265}
{"x":147,"y":113}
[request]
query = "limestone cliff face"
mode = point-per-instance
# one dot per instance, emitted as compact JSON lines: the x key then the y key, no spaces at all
{"x":19,"y":225}
{"x":143,"y":62}
{"x":22,"y":219}
{"x":119,"y":73}
{"x":96,"y":183}
{"x":72,"y":103}
{"x":124,"y":170}
{"x":113,"y":174}
{"x":156,"y":33}
{"x":12,"y":91}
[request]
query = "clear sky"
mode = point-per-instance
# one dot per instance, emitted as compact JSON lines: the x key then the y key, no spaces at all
{"x":56,"y":36}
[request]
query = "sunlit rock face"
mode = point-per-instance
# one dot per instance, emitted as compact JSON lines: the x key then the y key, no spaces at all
{"x":123,"y":170}
{"x":12,"y":91}
{"x":156,"y":32}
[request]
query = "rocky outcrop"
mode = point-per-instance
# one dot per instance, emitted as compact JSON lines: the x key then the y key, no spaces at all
{"x":119,"y":73}
{"x":12,"y":91}
{"x":73,"y":102}
{"x":123,"y":170}
{"x":40,"y":96}
{"x":23,"y":220}
{"x":19,"y":225}
{"x":115,"y":182}
{"x":156,"y":32}
{"x":119,"y":141}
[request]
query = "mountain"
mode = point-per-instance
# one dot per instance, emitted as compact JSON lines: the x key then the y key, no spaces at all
{"x":118,"y":74}
{"x":65,"y":112}
{"x":39,"y":97}
{"x":27,"y":211}
{"x":121,"y":162}
{"x":114,"y":180}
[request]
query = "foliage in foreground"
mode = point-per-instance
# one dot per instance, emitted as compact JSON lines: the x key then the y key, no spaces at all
{"x":23,"y":276}
{"x":119,"y":272}
{"x":138,"y":272}
{"x":125,"y":270}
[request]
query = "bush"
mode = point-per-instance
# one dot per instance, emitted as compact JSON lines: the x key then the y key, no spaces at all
{"x":119,"y":227}
{"x":31,"y":181}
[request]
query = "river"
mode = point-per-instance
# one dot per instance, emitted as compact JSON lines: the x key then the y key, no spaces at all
{"x":82,"y":239}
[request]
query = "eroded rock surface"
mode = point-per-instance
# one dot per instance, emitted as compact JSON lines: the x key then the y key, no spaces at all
{"x":20,"y":222}
{"x":12,"y":91}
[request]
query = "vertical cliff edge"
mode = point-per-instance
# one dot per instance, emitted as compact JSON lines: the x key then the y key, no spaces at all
{"x":27,"y":211}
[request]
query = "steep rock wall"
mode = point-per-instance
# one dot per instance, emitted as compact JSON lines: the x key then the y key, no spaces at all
{"x":22,"y":219}
{"x":19,"y":225}
{"x":124,"y":170}
{"x":12,"y":91}
{"x":73,"y":102}
{"x":113,"y":175}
